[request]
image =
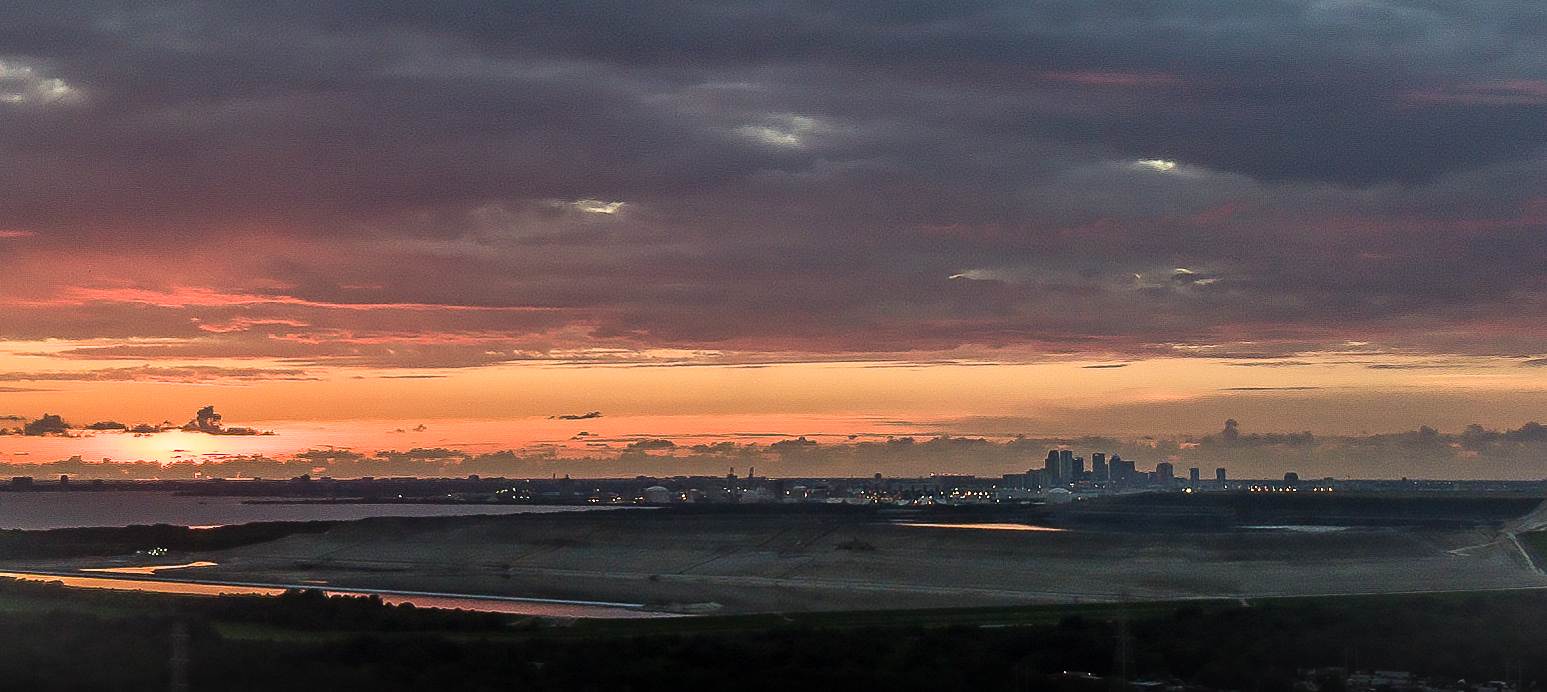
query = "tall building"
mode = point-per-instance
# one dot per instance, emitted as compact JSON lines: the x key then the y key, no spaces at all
{"x":1219,"y":477}
{"x":1165,"y":473}
{"x":1050,"y":471}
{"x":1120,"y":470}
{"x":1098,"y":467}
{"x":1192,"y":476}
{"x":1066,"y":471}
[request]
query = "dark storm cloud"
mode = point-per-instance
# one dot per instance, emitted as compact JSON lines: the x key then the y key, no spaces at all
{"x":773,"y":177}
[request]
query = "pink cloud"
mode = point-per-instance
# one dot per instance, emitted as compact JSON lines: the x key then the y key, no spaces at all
{"x":194,"y":296}
{"x":1122,"y":79}
{"x":1516,"y":92}
{"x":242,"y":324}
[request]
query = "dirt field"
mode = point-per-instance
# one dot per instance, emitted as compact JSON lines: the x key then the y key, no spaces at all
{"x":824,"y":560}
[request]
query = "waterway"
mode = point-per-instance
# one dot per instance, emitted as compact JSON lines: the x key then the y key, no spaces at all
{"x":542,"y":607}
{"x":57,"y":510}
{"x":53,"y":510}
{"x":981,"y":527}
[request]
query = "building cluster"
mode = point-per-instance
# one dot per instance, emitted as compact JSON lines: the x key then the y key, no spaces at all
{"x":1063,"y":477}
{"x":1063,"y":469}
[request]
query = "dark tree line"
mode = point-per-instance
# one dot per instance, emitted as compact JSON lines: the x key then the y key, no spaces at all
{"x":375,"y":646}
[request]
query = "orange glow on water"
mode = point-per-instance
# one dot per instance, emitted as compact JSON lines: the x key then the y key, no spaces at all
{"x":145,"y":585}
{"x":147,"y":569}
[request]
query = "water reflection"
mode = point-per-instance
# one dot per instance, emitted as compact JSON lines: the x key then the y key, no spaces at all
{"x":1298,"y":528}
{"x":545,"y":607}
{"x":987,"y":527}
{"x":148,"y":569}
{"x":33,"y":511}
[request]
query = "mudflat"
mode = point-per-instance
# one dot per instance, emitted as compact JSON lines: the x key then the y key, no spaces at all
{"x":820,"y":558}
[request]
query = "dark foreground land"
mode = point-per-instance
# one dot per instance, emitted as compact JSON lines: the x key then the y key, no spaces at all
{"x":63,"y":639}
{"x":1228,"y":593}
{"x":796,"y":558}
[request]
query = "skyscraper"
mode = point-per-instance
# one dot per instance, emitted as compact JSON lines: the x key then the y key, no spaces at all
{"x":1098,"y":467}
{"x":1118,"y":469}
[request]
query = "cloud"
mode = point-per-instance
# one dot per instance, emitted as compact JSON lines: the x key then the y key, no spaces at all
{"x":1519,"y":92}
{"x":1267,"y":389}
{"x":596,"y":206}
{"x":784,"y":130}
{"x":1157,"y":165}
{"x":150,"y":373}
{"x":1274,"y":364}
{"x":406,"y":188}
{"x":1416,"y":366}
{"x":23,"y":84}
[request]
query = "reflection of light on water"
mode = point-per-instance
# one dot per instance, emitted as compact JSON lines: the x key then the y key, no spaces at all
{"x":147,"y":569}
{"x":521,"y":607}
{"x":56,"y":510}
{"x":146,"y":585}
{"x":1298,"y":528}
{"x":486,"y":604}
{"x":988,"y":527}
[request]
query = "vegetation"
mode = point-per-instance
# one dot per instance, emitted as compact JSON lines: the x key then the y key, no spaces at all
{"x":1474,"y":452}
{"x":49,"y":424}
{"x":1536,"y":542}
{"x":83,"y":542}
{"x":61,"y":638}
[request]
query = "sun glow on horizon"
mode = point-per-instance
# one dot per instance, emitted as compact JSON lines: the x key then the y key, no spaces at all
{"x":1333,"y":392}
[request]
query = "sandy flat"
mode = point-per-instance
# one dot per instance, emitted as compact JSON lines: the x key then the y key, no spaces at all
{"x":761,"y":562}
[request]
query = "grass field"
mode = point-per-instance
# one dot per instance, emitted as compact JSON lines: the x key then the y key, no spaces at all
{"x":1536,"y":542}
{"x":32,"y":597}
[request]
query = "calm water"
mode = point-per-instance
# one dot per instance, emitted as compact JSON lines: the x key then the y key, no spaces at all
{"x":49,"y":510}
{"x":488,"y":604}
{"x":55,"y":510}
{"x":982,"y":527}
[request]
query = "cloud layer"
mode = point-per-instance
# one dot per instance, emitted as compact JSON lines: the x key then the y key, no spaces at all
{"x":412,"y":184}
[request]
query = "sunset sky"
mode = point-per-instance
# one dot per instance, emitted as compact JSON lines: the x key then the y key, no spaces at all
{"x":983,"y":217}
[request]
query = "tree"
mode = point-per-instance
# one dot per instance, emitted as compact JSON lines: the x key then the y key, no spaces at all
{"x":49,"y":424}
{"x":206,"y":420}
{"x":1530,"y":432}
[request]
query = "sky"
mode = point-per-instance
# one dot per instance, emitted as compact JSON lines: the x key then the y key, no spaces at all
{"x":983,"y":216}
